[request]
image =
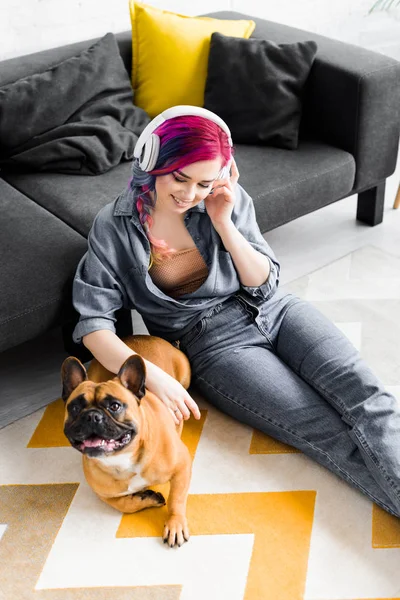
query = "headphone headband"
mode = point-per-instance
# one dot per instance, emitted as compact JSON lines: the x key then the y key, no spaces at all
{"x":149,"y":141}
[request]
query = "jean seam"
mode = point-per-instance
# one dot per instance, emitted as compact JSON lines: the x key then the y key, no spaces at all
{"x":260,"y":328}
{"x":243,"y":307}
{"x":367,"y":449}
{"x":346,"y":476}
{"x":321,"y":390}
{"x":314,"y":384}
{"x":265,"y":333}
{"x":199,"y":333}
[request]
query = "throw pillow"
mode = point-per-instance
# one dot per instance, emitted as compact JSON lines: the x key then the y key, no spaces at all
{"x":170,"y":54}
{"x":77,"y":117}
{"x":257,"y":86}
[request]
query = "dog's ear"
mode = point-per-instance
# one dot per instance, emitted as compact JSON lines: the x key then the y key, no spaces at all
{"x":72,"y":374}
{"x":132,"y":375}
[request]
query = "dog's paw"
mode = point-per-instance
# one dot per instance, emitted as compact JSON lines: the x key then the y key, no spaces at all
{"x":156,"y":498}
{"x":176,"y":531}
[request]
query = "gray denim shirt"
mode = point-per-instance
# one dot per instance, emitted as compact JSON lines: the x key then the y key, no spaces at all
{"x":114,"y":271}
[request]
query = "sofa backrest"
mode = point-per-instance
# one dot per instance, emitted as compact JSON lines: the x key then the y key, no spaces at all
{"x":23,"y":66}
{"x":29,"y":64}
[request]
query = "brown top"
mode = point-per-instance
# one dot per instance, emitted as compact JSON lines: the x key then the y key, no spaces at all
{"x":182,"y":273}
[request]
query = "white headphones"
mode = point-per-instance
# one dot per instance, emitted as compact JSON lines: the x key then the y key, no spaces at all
{"x":148,"y":145}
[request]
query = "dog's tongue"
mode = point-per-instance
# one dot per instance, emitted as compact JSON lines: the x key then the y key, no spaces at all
{"x":108,"y":445}
{"x":92,"y":442}
{"x":96,"y":442}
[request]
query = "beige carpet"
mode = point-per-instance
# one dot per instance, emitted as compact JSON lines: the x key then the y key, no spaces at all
{"x":267,"y":523}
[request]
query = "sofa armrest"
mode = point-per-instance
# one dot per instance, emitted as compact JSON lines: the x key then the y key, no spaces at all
{"x":352,"y":102}
{"x":352,"y":98}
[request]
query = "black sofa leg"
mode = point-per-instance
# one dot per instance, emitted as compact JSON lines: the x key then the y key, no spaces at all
{"x":371,"y":203}
{"x":123,"y":328}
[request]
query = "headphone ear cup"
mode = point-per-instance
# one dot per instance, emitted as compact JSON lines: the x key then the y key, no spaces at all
{"x":150,"y":153}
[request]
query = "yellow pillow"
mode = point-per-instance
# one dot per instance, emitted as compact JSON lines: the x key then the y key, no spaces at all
{"x":170,"y":55}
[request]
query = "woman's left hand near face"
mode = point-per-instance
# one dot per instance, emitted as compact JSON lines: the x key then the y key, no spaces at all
{"x":219,"y":203}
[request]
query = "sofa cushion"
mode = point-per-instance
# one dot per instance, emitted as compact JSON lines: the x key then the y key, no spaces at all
{"x":287,"y":184}
{"x":74,"y":200}
{"x":293,"y":183}
{"x":37,"y":62}
{"x":170,"y":53}
{"x":39,"y":258}
{"x":77,"y":116}
{"x":264,"y":82}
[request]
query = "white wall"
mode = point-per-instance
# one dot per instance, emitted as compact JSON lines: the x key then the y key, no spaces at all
{"x":32,"y":25}
{"x":346,"y":20}
{"x":321,"y":16}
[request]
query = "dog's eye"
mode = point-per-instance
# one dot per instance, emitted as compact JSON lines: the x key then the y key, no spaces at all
{"x":114,"y":407}
{"x":74,"y":410}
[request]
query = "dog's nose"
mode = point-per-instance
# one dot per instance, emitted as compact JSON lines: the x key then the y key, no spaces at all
{"x":94,"y":416}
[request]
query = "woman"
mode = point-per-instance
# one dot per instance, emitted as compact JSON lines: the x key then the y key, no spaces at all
{"x":182,"y":246}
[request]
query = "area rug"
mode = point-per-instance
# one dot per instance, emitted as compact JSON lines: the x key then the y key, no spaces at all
{"x":267,"y":523}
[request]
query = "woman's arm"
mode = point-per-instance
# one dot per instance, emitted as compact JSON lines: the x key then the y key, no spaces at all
{"x":108,"y":348}
{"x":252,"y":267}
{"x":112,"y":352}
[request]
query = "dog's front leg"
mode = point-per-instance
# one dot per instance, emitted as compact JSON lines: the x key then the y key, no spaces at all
{"x":176,"y":530}
{"x":135,"y":502}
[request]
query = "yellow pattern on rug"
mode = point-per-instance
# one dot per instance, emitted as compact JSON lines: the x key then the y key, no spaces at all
{"x":281,"y":523}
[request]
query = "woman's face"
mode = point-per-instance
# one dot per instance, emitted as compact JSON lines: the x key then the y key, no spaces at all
{"x":180,"y":190}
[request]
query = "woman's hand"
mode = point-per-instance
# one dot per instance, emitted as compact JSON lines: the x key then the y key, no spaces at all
{"x":219,"y":203}
{"x":171,"y":392}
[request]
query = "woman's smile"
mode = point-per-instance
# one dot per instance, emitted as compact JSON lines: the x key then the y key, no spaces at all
{"x":181,"y":203}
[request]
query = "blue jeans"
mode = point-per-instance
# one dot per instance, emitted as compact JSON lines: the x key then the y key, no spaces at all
{"x":287,"y":370}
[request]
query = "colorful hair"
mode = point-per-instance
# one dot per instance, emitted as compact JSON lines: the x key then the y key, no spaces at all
{"x":183,"y":141}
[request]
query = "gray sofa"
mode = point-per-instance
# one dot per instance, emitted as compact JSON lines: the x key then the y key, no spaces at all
{"x":348,"y":144}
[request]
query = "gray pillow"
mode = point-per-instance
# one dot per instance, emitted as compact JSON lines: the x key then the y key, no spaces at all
{"x":257,"y":86}
{"x":76,"y":117}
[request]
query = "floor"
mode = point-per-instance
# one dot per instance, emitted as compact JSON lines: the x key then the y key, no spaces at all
{"x":30,"y":373}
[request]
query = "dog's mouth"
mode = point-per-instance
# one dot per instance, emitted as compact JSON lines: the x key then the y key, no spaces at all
{"x":96,"y":443}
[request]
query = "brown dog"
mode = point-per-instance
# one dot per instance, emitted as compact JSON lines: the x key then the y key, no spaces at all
{"x":127,"y":435}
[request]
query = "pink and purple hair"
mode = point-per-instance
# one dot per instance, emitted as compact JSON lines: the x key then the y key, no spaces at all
{"x":183,"y":141}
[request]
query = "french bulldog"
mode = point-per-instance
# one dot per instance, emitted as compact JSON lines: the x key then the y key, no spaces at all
{"x":126,"y":434}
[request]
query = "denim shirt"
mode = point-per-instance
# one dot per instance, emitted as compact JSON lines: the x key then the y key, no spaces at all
{"x":114,"y":272}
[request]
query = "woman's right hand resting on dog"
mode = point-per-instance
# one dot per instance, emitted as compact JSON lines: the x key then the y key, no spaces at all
{"x":171,"y":392}
{"x":112,"y":352}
